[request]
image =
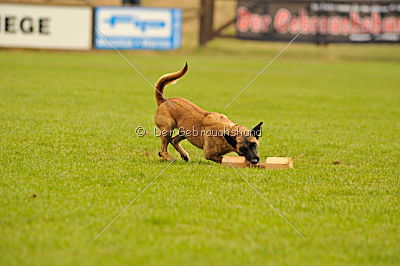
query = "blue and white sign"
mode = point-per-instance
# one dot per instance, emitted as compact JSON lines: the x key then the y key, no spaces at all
{"x":137,"y":28}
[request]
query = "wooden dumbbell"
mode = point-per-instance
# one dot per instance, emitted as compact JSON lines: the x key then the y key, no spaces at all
{"x":235,"y":161}
{"x":270,"y":163}
{"x":279,"y":163}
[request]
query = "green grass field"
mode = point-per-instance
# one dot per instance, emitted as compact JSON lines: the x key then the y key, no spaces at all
{"x":67,"y":135}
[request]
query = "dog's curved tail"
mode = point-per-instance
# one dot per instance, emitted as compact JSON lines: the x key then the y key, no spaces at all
{"x":165,"y":80}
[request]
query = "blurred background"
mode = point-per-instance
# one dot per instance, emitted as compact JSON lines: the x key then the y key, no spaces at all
{"x":200,"y":21}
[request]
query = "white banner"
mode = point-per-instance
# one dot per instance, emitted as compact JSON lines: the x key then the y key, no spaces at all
{"x":38,"y":26}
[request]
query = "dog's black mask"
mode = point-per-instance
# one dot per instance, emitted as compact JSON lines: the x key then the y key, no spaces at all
{"x":246,"y":145}
{"x":249,"y":150}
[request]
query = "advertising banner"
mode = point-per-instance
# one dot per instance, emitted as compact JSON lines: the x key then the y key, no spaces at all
{"x":49,"y":27}
{"x":321,"y":22}
{"x":137,"y":28}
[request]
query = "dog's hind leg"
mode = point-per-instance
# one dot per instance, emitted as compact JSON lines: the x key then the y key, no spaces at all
{"x":166,"y":137}
{"x":166,"y":125}
{"x":175,"y":142}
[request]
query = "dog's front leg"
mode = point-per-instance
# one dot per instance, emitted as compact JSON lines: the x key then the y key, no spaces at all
{"x":212,"y":155}
{"x":217,"y":159}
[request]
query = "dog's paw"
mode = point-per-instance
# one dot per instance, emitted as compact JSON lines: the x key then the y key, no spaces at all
{"x":166,"y":157}
{"x":185,"y":157}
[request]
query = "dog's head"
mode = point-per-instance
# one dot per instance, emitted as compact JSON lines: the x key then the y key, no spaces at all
{"x":245,"y":142}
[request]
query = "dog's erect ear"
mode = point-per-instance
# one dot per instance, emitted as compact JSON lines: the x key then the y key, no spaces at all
{"x":230,"y":140}
{"x":256,"y":131}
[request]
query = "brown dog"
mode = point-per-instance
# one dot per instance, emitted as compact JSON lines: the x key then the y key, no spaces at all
{"x":212,"y":132}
